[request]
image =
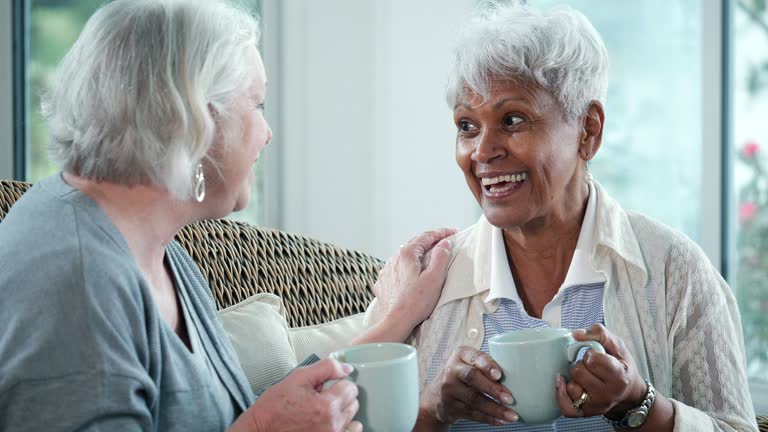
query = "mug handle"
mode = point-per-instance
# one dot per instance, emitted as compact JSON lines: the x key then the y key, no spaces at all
{"x":575,"y":346}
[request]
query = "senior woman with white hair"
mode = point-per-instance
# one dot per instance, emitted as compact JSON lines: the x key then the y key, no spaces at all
{"x":552,"y":249}
{"x":156,"y":119}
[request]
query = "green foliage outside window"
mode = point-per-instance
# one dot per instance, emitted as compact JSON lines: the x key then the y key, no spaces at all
{"x":752,"y":245}
{"x":750,"y":281}
{"x":53,"y":27}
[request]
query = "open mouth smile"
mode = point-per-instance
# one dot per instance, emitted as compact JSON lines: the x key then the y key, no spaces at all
{"x":502,"y":186}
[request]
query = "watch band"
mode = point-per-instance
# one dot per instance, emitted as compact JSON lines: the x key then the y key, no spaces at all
{"x":635,"y":417}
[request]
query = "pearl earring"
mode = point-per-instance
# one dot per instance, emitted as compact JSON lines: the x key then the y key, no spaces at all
{"x":199,"y":183}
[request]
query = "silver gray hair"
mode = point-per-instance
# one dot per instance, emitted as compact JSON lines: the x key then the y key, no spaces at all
{"x":137,"y":98}
{"x":556,"y":49}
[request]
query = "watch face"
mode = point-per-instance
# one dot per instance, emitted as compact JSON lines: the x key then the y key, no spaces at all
{"x":636,"y":419}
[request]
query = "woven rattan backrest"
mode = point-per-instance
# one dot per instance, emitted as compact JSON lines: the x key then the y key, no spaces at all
{"x":318,"y":281}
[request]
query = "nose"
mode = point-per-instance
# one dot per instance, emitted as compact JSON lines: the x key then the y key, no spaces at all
{"x":488,"y":148}
{"x":269,"y":135}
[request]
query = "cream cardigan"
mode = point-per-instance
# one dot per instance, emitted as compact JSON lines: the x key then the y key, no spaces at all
{"x":663,"y":298}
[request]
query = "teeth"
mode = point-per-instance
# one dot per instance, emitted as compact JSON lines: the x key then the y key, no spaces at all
{"x":505,"y":178}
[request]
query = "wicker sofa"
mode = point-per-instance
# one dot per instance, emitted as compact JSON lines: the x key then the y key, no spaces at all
{"x":317,"y":281}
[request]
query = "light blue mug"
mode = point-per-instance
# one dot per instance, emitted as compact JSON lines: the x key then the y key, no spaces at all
{"x":530,"y":360}
{"x":387,"y":378}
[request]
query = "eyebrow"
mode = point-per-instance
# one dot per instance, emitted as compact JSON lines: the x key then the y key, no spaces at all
{"x":497,"y":105}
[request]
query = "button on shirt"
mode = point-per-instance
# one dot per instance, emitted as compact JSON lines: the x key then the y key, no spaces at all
{"x":577,"y":304}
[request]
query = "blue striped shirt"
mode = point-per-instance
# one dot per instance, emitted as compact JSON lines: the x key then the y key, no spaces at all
{"x":577,"y":304}
{"x":581,"y":307}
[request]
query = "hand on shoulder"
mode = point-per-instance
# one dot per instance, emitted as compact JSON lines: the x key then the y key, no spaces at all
{"x":410,"y":284}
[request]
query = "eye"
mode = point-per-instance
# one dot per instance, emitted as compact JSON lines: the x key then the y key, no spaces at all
{"x":512,"y":120}
{"x":465,"y":126}
{"x":260,"y":107}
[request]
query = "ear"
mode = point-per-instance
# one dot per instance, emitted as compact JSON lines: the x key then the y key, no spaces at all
{"x":592,"y":130}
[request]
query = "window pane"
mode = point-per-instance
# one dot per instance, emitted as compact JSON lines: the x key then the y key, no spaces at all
{"x":53,"y":27}
{"x":650,"y":159}
{"x":748,"y":90}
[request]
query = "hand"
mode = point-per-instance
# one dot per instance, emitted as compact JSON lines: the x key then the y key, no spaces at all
{"x":610,"y":379}
{"x":298,"y":403}
{"x":410,"y":284}
{"x":461,"y":391}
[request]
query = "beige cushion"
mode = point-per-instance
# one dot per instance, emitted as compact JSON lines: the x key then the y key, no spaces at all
{"x":268,"y":349}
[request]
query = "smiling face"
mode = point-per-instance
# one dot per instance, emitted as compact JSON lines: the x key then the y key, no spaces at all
{"x":230,"y":184}
{"x":520,"y":157}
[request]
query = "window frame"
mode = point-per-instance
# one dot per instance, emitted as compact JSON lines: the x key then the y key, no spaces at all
{"x":20,"y":59}
{"x":7,"y":84}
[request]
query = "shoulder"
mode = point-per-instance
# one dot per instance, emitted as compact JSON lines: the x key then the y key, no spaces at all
{"x":466,"y":241}
{"x":631,"y":234}
{"x":53,"y":245}
{"x":660,"y":242}
{"x":70,"y":283}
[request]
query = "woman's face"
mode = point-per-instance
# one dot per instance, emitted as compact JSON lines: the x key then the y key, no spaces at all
{"x":519,"y":156}
{"x":236,"y":159}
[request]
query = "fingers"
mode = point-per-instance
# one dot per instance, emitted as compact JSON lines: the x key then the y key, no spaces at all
{"x":599,"y":333}
{"x":322,"y":371}
{"x":481,"y":361}
{"x":483,"y":409}
{"x":574,"y":390}
{"x":481,"y":373}
{"x":564,"y":401}
{"x":421,"y":252}
{"x":603,"y":366}
{"x":468,"y":388}
{"x":585,"y":378}
{"x":355,"y":426}
{"x":438,"y":263}
{"x":347,"y":416}
{"x":344,"y":391}
{"x":418,"y":246}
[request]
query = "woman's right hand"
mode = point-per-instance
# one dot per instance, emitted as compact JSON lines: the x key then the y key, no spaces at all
{"x":462,"y":392}
{"x":299,"y":403}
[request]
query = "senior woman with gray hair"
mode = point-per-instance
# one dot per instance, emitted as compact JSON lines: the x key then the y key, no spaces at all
{"x":552,"y":249}
{"x":156,"y":119}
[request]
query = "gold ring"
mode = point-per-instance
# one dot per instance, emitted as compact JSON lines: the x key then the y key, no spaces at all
{"x":580,"y":401}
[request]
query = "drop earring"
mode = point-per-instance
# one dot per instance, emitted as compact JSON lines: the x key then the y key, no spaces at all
{"x":588,"y":174}
{"x":199,"y":183}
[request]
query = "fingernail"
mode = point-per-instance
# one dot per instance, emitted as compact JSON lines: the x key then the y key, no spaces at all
{"x":511,"y":416}
{"x":507,"y":398}
{"x":495,"y":374}
{"x":347,"y":368}
{"x":444,"y":244}
{"x":579,"y":331}
{"x":558,"y":381}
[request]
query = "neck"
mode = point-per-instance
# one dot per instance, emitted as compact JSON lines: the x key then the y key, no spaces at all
{"x":553,"y":237}
{"x":544,"y":234}
{"x":146,"y":216}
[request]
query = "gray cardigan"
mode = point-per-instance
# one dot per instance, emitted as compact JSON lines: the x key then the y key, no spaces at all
{"x":82,"y":344}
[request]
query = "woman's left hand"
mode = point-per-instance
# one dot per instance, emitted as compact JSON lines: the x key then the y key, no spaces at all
{"x":611,"y":381}
{"x":410,"y":284}
{"x":409,"y":287}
